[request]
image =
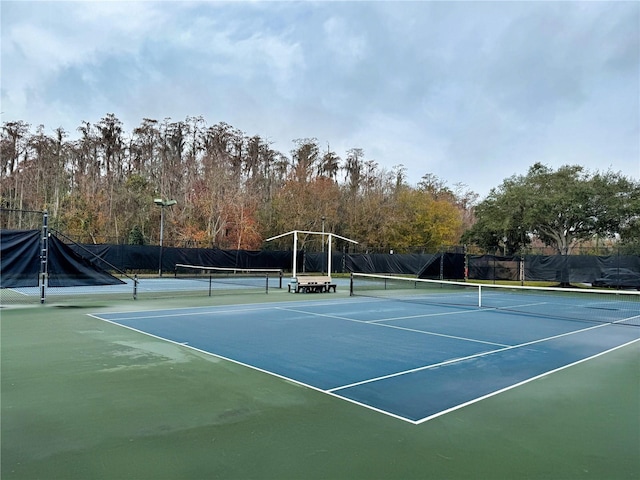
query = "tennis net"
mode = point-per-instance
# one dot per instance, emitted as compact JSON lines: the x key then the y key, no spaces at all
{"x":230,"y":278}
{"x":565,"y":303}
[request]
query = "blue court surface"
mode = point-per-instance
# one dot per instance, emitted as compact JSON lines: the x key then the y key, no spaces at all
{"x":410,"y":361}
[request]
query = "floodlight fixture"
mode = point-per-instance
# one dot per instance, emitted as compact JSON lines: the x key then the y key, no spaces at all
{"x":164,"y":203}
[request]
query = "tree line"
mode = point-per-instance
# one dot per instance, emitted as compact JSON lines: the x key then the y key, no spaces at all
{"x":232,"y":190}
{"x":235,"y":190}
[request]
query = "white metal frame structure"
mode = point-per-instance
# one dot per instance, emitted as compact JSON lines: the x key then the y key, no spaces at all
{"x":295,"y":246}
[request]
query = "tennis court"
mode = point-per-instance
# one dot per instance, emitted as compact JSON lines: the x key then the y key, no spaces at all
{"x":406,"y":354}
{"x":338,"y":386}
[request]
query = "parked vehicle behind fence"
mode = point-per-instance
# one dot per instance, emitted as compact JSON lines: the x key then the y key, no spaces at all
{"x":618,"y":278}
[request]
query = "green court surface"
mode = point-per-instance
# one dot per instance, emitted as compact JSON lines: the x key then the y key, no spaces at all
{"x":85,"y":399}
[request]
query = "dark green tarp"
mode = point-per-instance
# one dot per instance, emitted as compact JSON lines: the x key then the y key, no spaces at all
{"x":20,"y":263}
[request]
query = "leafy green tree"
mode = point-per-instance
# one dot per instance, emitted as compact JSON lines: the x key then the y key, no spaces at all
{"x":561,"y":208}
{"x":136,"y":236}
{"x":500,"y":223}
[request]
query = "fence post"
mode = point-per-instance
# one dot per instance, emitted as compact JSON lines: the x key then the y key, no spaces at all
{"x":44,"y":256}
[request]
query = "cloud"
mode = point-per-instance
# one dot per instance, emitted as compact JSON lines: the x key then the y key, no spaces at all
{"x":346,"y":46}
{"x":470,"y":91}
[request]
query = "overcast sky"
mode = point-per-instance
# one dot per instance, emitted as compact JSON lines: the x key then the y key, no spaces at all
{"x":472,"y":92}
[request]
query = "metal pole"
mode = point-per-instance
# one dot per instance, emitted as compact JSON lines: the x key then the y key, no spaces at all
{"x":323,"y":218}
{"x":161,"y":239}
{"x":329,"y":257}
{"x":295,"y":251}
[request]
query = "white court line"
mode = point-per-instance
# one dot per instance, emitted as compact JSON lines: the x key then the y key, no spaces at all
{"x":187,"y":311}
{"x":522,"y":305}
{"x":628,"y":319}
{"x":505,"y":389}
{"x":25,"y":294}
{"x":179,"y":313}
{"x":182,"y":311}
{"x":456,"y":360}
{"x":424,"y":332}
{"x":425,"y":315}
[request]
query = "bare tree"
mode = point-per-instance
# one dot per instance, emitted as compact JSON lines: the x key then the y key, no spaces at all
{"x":305,"y":157}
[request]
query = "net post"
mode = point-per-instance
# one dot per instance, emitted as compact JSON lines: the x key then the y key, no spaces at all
{"x":210,"y":283}
{"x":135,"y":287}
{"x":280,"y":279}
{"x":43,"y":280}
{"x":480,"y":296}
{"x":266,"y":276}
{"x":351,"y":285}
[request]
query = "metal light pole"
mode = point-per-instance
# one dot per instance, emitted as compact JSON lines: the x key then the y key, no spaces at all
{"x":162,"y":204}
{"x":323,"y":219}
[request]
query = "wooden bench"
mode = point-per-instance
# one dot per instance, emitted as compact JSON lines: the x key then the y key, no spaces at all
{"x":312,"y":284}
